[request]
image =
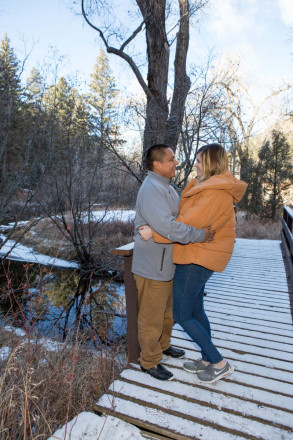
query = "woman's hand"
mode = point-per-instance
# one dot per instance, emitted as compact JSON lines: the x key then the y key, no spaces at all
{"x":145,"y":232}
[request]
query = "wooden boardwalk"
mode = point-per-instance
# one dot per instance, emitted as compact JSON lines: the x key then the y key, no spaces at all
{"x":249,"y":309}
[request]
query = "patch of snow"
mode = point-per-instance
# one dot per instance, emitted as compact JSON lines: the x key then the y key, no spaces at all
{"x":50,"y":345}
{"x":4,"y":353}
{"x":89,"y":426}
{"x":12,"y":224}
{"x":18,"y":331}
{"x":28,"y":255}
{"x":107,"y":216}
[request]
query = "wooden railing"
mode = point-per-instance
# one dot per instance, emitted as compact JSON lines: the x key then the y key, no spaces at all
{"x":287,"y":240}
{"x":131,"y":303}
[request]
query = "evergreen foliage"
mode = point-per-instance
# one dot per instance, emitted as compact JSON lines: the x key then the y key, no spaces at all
{"x":10,"y":106}
{"x":275,"y":172}
{"x":268,"y":177}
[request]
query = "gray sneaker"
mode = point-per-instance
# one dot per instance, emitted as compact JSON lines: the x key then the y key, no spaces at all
{"x":212,"y":374}
{"x":195,"y":366}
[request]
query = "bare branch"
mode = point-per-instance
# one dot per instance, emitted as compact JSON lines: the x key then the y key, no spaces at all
{"x":120,"y":52}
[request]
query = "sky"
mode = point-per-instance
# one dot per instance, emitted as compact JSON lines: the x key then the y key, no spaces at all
{"x":257,"y":32}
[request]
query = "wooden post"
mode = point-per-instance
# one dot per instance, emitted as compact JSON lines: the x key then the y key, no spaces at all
{"x":131,"y":303}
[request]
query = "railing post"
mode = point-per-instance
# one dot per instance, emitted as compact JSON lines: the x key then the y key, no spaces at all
{"x":131,"y":303}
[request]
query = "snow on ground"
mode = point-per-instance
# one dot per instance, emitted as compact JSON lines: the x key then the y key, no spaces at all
{"x":123,"y":215}
{"x":106,"y":216}
{"x":11,"y":225}
{"x":28,"y":255}
{"x":4,"y":353}
{"x":89,"y":426}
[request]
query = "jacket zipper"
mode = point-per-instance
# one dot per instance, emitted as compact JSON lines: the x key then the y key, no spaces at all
{"x":162,"y":262}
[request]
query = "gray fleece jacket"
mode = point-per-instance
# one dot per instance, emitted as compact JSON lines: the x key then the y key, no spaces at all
{"x":157,"y":205}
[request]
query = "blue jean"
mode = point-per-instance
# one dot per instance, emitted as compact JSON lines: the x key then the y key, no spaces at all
{"x":188,"y":306}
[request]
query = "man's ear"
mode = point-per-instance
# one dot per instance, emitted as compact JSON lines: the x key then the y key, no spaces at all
{"x":157,"y":165}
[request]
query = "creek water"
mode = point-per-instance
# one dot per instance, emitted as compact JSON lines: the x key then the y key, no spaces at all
{"x":56,"y":303}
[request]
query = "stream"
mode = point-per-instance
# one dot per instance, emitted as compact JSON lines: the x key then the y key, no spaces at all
{"x":57,"y":303}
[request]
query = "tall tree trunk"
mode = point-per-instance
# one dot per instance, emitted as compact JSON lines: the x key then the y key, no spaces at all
{"x":182,"y":82}
{"x":163,"y":126}
{"x":153,"y":12}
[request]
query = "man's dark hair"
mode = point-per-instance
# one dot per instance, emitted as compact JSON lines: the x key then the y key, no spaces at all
{"x":155,"y":152}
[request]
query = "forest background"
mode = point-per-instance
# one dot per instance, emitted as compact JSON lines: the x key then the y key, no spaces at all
{"x":70,"y":148}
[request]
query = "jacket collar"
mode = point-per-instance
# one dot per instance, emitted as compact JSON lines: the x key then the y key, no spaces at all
{"x":157,"y":176}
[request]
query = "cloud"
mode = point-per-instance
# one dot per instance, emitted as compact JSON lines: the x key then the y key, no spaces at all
{"x":232,"y":19}
{"x":286,"y":8}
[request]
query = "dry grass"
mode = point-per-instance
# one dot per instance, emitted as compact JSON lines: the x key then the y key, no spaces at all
{"x":41,"y":389}
{"x":257,"y":227}
{"x":46,"y":238}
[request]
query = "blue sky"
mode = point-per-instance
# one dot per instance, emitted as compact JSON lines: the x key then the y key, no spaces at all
{"x":257,"y":31}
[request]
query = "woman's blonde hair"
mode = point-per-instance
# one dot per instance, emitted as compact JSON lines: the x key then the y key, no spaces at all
{"x":214,"y":160}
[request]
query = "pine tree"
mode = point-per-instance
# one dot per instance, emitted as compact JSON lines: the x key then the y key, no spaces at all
{"x":101,"y":99}
{"x":35,"y":87}
{"x":276,"y":168}
{"x":10,"y":103}
{"x":253,"y":198}
{"x":67,"y":119}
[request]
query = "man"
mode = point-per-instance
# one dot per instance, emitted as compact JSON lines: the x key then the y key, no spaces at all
{"x":157,"y":205}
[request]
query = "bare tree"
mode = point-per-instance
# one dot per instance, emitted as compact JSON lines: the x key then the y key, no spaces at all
{"x":201,"y":123}
{"x":163,"y":116}
{"x":242,"y":118}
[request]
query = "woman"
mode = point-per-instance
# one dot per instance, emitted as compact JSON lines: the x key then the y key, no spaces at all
{"x":209,"y":199}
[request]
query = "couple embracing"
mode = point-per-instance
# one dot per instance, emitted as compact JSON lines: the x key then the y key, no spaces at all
{"x":178,"y":244}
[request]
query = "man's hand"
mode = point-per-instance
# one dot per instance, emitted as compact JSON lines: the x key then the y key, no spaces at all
{"x":145,"y":232}
{"x":209,"y":234}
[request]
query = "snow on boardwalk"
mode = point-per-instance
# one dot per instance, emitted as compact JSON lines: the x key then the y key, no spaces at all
{"x":249,"y":309}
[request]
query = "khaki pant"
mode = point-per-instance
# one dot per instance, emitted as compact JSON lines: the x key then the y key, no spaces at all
{"x":155,"y":318}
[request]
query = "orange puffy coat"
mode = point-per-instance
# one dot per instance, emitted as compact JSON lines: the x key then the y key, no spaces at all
{"x":209,"y":203}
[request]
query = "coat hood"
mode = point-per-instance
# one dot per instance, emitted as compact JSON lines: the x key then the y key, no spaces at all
{"x":224,"y":182}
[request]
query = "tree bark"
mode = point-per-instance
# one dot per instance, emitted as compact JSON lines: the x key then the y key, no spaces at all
{"x":163,"y":126}
{"x":153,"y":12}
{"x":182,"y":82}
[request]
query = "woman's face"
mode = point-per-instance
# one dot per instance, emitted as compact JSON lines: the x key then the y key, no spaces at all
{"x":198,"y":165}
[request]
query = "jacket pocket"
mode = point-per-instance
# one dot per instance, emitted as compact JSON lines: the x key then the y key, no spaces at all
{"x":162,"y":260}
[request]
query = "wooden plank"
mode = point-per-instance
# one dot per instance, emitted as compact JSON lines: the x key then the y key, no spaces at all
{"x":237,"y":353}
{"x":242,"y":366}
{"x":274,"y":357}
{"x":152,"y":418}
{"x":256,"y":290}
{"x":243,"y":285}
{"x":252,"y":324}
{"x":251,"y":340}
{"x":278,"y":318}
{"x":281,"y":286}
{"x":191,"y":410}
{"x":248,"y":297}
{"x":248,"y":304}
{"x":212,"y":397}
{"x":231,"y":331}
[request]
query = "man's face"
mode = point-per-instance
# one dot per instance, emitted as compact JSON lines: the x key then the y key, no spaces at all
{"x":167,"y":167}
